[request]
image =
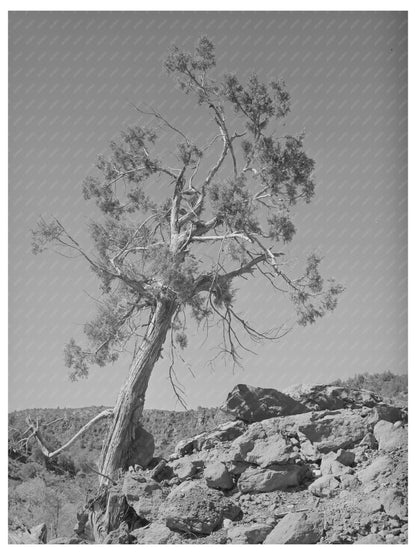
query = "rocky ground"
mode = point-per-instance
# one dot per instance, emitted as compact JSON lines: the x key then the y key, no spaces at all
{"x":316,"y":464}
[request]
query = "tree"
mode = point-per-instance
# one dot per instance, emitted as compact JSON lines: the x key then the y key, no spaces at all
{"x":234,"y":194}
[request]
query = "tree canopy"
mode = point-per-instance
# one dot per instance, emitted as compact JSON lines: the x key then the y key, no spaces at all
{"x":227,"y":213}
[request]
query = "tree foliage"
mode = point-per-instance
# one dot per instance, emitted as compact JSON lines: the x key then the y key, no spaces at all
{"x":232,"y":196}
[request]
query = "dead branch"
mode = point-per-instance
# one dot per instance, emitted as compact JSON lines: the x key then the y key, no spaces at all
{"x":48,"y":454}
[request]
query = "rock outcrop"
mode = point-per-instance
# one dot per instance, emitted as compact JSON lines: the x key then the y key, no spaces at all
{"x":330,"y":451}
{"x":331,"y":397}
{"x":253,"y":404}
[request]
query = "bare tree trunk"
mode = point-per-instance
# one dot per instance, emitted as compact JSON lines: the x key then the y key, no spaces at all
{"x":117,"y":448}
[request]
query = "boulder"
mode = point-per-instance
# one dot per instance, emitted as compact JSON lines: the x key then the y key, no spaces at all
{"x":308,"y":450}
{"x":185,"y":468}
{"x":385,"y":412}
{"x":394,"y":503}
{"x":253,"y":404}
{"x":185,"y":446}
{"x":332,"y":397}
{"x":269,"y":442}
{"x":259,"y":480}
{"x":141,"y":448}
{"x":225,"y":432}
{"x":217,"y":476}
{"x":369,"y":441}
{"x":326,"y":486}
{"x":345,"y":457}
{"x":249,"y":534}
{"x":156,"y":533}
{"x":194,"y":508}
{"x":373,"y":470}
{"x":143,"y":494}
{"x":236,"y":468}
{"x":304,"y":528}
{"x":388,"y":436}
{"x":370,"y":505}
{"x":331,"y":465}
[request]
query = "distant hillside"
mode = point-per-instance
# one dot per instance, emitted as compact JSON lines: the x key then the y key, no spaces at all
{"x":167,"y":427}
{"x":392,"y":387}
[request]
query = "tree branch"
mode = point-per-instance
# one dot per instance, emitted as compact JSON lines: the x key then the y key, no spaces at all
{"x":157,"y":115}
{"x":48,"y":454}
{"x":222,"y":237}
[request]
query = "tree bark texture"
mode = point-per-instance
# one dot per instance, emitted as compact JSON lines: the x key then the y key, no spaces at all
{"x":118,"y":449}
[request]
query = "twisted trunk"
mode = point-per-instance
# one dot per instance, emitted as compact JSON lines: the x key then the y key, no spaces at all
{"x":118,"y":448}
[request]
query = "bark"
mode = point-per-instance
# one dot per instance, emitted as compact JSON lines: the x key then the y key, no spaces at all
{"x":118,"y":448}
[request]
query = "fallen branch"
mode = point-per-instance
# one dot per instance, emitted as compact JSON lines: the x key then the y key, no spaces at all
{"x":48,"y":454}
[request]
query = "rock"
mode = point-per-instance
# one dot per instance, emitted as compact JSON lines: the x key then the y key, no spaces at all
{"x":217,"y":476}
{"x":308,"y":449}
{"x":40,"y":533}
{"x":371,"y":539}
{"x":325,"y":486}
{"x":251,"y":534}
{"x":257,"y":447}
{"x":119,"y":536}
{"x":258,"y":480}
{"x":373,"y":470}
{"x":253,"y":404}
{"x":141,"y":448}
{"x":370,"y":505}
{"x":225,"y":432}
{"x":331,"y":397}
{"x":331,"y":465}
{"x":304,"y":528}
{"x":158,"y":472}
{"x":345,"y":457}
{"x":382,"y":411}
{"x":268,"y":442}
{"x":236,"y":468}
{"x":194,"y":508}
{"x":369,"y":440}
{"x":185,"y":468}
{"x":349,"y":481}
{"x":185,"y":446}
{"x":143,"y":494}
{"x":394,"y":503}
{"x":389,"y":437}
{"x":156,"y":533}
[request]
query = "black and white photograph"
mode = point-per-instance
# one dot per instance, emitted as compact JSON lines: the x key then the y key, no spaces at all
{"x":208,"y":277}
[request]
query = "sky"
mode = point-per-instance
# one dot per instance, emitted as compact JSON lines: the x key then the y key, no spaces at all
{"x":72,"y":79}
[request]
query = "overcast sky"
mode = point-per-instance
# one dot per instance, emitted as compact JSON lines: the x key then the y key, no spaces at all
{"x":72,"y":76}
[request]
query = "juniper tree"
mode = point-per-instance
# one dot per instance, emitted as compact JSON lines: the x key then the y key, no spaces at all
{"x":234,"y":194}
